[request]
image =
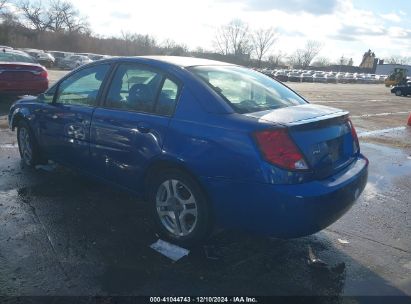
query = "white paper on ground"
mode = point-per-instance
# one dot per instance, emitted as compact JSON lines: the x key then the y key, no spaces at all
{"x":171,"y":251}
{"x":343,"y":241}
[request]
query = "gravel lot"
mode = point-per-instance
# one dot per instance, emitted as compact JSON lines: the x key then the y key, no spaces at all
{"x":63,"y":234}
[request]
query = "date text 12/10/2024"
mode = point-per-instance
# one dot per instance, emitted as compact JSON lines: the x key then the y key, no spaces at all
{"x":203,"y":300}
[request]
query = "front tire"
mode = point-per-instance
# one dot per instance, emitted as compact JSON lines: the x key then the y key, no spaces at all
{"x":28,"y":149}
{"x":180,"y":208}
{"x":398,"y":93}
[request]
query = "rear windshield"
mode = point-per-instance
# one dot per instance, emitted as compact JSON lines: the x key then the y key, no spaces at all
{"x":245,"y":90}
{"x":14,"y":57}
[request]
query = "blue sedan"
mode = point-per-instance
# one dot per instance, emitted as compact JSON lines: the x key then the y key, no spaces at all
{"x":206,"y":143}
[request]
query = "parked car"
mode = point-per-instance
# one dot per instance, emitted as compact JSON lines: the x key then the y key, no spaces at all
{"x":402,"y":90}
{"x":349,"y":78}
{"x":59,"y":56}
{"x":43,"y":58}
{"x":21,"y":74}
{"x":281,"y":76}
{"x":74,"y":61}
{"x":306,"y":77}
{"x":319,"y":77}
{"x":330,"y":78}
{"x":294,"y":76}
{"x":206,"y":143}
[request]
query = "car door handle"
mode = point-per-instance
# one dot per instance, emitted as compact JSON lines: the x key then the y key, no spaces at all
{"x":143,"y":128}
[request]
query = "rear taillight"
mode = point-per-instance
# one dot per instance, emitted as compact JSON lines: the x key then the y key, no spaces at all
{"x":41,"y":73}
{"x":44,"y":74}
{"x":356,"y":144}
{"x":278,"y":149}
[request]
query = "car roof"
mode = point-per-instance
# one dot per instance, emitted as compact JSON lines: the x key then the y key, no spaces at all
{"x":13,"y":51}
{"x":176,"y":60}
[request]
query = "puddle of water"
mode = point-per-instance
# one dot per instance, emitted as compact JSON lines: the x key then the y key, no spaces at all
{"x":390,"y":163}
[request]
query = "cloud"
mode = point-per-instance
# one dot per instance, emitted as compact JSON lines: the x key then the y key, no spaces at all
{"x":399,"y":33}
{"x":120,"y":15}
{"x":354,"y":33}
{"x":391,"y":17}
{"x":318,"y":7}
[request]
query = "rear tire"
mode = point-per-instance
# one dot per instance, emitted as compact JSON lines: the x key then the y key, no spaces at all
{"x":179,"y":207}
{"x":29,"y":152}
{"x":398,"y":93}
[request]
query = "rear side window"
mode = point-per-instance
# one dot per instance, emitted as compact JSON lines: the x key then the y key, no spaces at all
{"x":168,"y":98}
{"x":245,"y":90}
{"x":14,"y":57}
{"x":137,"y":88}
{"x":82,"y":87}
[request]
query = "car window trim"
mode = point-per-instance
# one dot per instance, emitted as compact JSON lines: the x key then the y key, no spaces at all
{"x":99,"y":94}
{"x":165,"y":75}
{"x":179,"y":89}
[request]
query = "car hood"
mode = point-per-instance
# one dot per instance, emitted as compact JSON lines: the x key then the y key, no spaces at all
{"x":298,"y":114}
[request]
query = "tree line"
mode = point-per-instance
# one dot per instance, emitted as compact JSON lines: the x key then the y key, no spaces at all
{"x":58,"y":25}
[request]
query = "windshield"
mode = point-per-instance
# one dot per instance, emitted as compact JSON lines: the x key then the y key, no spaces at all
{"x":245,"y":90}
{"x":14,"y":57}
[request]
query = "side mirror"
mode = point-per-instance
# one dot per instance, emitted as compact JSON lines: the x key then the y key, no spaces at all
{"x":41,"y":97}
{"x":46,"y":98}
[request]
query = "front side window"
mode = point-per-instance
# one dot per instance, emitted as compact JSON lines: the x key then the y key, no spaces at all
{"x":245,"y":90}
{"x":134,"y":88}
{"x":82,"y":87}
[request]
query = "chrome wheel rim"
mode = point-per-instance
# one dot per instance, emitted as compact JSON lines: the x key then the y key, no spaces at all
{"x":25,"y":146}
{"x":176,"y":207}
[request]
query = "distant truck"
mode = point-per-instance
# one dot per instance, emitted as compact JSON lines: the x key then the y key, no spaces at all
{"x":398,"y":77}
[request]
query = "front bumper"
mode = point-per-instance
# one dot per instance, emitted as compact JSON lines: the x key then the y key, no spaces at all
{"x":287,"y":211}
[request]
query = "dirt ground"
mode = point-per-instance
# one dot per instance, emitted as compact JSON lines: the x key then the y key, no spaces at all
{"x":63,"y":234}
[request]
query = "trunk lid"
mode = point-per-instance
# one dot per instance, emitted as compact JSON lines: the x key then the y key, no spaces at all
{"x":323,"y":134}
{"x":21,"y":72}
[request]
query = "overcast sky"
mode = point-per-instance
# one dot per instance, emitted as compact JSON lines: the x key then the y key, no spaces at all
{"x":345,"y":27}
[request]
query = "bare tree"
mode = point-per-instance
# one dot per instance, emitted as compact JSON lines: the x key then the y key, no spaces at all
{"x":310,"y":51}
{"x":277,"y":58}
{"x":172,"y":48}
{"x":65,"y":17}
{"x":58,"y":16}
{"x":35,"y":14}
{"x":2,"y":4}
{"x":343,"y":60}
{"x":233,"y":38}
{"x":263,"y":40}
{"x":321,"y":62}
{"x":397,"y":59}
{"x":296,"y":58}
{"x":303,"y":57}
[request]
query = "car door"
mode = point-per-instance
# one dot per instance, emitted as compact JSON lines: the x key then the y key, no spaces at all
{"x":65,"y":123}
{"x":129,"y":129}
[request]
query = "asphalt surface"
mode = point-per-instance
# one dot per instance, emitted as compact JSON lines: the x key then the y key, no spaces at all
{"x":64,"y":234}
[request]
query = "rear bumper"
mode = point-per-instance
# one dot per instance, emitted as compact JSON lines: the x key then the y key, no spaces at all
{"x":287,"y":211}
{"x":23,"y":87}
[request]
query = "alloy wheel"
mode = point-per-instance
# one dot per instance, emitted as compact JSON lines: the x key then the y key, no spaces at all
{"x":25,"y":145}
{"x":176,"y":207}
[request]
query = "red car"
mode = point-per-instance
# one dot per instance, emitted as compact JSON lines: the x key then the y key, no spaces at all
{"x":21,"y":74}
